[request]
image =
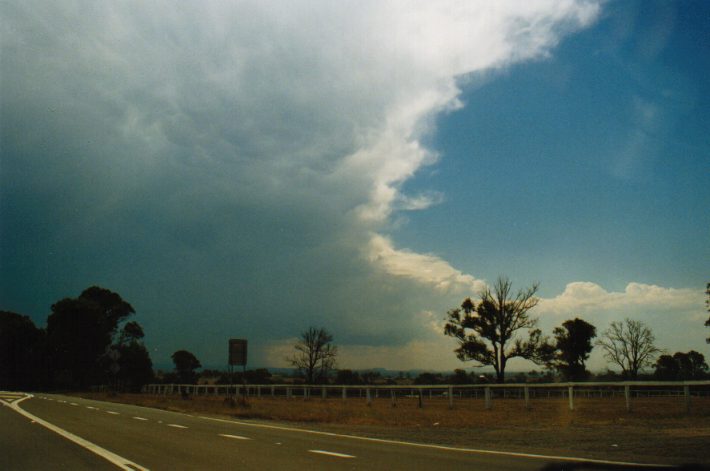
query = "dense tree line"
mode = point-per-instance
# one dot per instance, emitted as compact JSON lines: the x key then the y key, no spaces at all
{"x":88,"y":341}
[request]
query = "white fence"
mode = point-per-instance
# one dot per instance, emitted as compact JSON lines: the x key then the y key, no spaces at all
{"x":488,"y":392}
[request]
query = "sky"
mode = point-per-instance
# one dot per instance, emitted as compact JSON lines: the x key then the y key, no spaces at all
{"x":250,"y":169}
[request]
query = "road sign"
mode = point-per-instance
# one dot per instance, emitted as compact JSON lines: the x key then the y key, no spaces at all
{"x":237,"y":352}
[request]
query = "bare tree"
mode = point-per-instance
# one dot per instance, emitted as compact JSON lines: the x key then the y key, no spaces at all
{"x":630,"y":345}
{"x":315,"y":354}
{"x":486,"y":330}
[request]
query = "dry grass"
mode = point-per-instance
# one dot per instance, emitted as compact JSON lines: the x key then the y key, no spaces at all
{"x":657,"y":430}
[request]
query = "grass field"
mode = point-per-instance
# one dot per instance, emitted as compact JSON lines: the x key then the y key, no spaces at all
{"x":657,"y":430}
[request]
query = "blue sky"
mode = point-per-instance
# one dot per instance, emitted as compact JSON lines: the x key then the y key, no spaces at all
{"x":249,"y":170}
{"x":589,"y":165}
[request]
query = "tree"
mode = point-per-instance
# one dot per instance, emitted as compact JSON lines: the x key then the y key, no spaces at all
{"x":691,"y":365}
{"x":681,"y":366}
{"x":667,"y":368}
{"x":573,"y":343}
{"x":707,"y":303}
{"x":80,"y":333}
{"x":185,"y":365}
{"x":348,"y":377}
{"x":21,"y":352}
{"x":315,"y":354}
{"x":493,"y":324}
{"x":630,"y":345}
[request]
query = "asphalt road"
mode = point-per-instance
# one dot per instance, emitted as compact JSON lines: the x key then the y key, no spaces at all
{"x":135,"y":437}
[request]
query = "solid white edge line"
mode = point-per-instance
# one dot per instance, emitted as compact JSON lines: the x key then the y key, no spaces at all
{"x":118,"y":460}
{"x":176,"y":426}
{"x":237,"y":437}
{"x":443,"y":447}
{"x":331,"y":453}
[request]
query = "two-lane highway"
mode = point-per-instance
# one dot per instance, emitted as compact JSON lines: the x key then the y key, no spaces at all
{"x":144,"y":438}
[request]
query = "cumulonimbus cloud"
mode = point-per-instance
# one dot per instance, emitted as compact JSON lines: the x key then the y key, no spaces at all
{"x":226,"y":151}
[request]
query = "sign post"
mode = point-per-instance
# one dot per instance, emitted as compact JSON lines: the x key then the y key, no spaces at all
{"x":237,"y":357}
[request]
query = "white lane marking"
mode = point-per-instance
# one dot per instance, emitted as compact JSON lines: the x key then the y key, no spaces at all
{"x":118,"y":460}
{"x":439,"y":447}
{"x":73,"y":404}
{"x":140,"y":418}
{"x":176,"y":426}
{"x":112,"y":412}
{"x":238,"y":437}
{"x":92,"y":408}
{"x":331,"y":453}
{"x":62,"y":402}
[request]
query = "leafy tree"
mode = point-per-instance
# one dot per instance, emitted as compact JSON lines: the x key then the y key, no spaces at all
{"x":667,"y":368}
{"x":21,"y":352}
{"x":315,"y":355}
{"x":429,"y":378}
{"x":573,"y":343}
{"x":692,"y":365}
{"x":135,"y":366}
{"x":460,"y":377}
{"x":80,"y":331}
{"x":185,"y":365}
{"x":630,"y":345}
{"x":681,"y":366}
{"x":348,"y":377}
{"x":487,"y":331}
{"x":131,"y":332}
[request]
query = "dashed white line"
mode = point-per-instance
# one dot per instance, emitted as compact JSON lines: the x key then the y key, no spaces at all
{"x":176,"y":426}
{"x":118,"y":460}
{"x":237,"y":437}
{"x":92,"y":408}
{"x":112,"y":412}
{"x":73,"y":404}
{"x":140,"y":418}
{"x":331,"y":453}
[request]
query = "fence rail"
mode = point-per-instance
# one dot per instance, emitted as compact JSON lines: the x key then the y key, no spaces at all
{"x":450,"y":392}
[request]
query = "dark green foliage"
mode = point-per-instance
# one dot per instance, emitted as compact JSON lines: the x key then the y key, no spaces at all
{"x":135,"y":367}
{"x":429,"y":378}
{"x":348,"y":377}
{"x":573,"y":343}
{"x":21,"y":353}
{"x":461,"y":377}
{"x":82,"y":346}
{"x":185,"y":365}
{"x":80,"y":333}
{"x":681,"y":367}
{"x":487,"y":331}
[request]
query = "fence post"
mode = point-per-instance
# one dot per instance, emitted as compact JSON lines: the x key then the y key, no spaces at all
{"x":686,"y":394}
{"x":421,"y":399}
{"x":526,"y":393}
{"x":570,"y":392}
{"x":345,"y":393}
{"x":451,"y":397}
{"x":369,"y":396}
{"x":487,"y":397}
{"x":394,"y":397}
{"x":627,"y":395}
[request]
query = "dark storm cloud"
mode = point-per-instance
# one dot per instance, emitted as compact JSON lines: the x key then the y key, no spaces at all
{"x":223,"y":167}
